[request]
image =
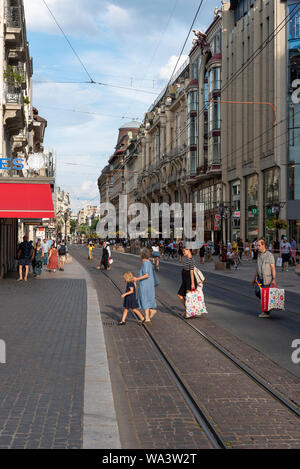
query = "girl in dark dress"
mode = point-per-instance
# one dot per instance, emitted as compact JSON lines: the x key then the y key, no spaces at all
{"x":130,"y":301}
{"x":189,"y":281}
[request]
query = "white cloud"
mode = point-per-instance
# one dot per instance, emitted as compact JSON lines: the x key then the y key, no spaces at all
{"x":116,"y":18}
{"x":76,"y":17}
{"x":166,"y":71}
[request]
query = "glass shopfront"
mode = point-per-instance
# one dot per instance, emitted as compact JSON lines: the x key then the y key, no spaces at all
{"x":252,"y":207}
{"x":235,"y":209}
{"x":271,"y":198}
{"x":294,"y":100}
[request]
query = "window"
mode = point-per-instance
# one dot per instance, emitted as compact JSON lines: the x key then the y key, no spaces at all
{"x":192,"y":130}
{"x":294,"y":23}
{"x":215,"y":115}
{"x":252,"y":207}
{"x":214,"y":79}
{"x":193,"y":162}
{"x":216,"y":147}
{"x":192,"y":101}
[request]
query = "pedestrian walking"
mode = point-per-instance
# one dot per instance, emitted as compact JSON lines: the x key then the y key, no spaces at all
{"x":90,"y":247}
{"x":202,"y":254}
{"x":294,"y":251}
{"x":53,"y":259}
{"x":37,"y":262}
{"x":130,"y":301}
{"x":265,"y":275}
{"x":155,"y":254}
{"x":180,"y":251}
{"x":25,"y":255}
{"x":285,"y":253}
{"x":106,"y":255}
{"x":147,"y":282}
{"x":45,"y":251}
{"x":247,"y":249}
{"x":189,"y":281}
{"x":255,"y":249}
{"x":62,"y":252}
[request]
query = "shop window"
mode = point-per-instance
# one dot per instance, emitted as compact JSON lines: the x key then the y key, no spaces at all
{"x":252,"y":207}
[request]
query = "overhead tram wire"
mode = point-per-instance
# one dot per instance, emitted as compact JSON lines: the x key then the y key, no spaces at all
{"x":89,"y":112}
{"x":246,"y":64}
{"x":68,"y":41}
{"x":186,"y":39}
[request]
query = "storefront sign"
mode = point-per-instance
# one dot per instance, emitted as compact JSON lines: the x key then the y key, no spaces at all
{"x":254,"y":211}
{"x":40,"y":233}
{"x":250,"y":215}
{"x":236,"y":214}
{"x":16,"y":164}
{"x":217,"y":222}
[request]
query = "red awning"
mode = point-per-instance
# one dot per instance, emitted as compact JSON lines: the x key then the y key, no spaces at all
{"x":26,"y":201}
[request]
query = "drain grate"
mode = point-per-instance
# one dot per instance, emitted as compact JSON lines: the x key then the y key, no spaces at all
{"x":109,"y":323}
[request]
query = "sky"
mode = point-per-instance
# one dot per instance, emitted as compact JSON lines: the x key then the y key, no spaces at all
{"x":127,"y":43}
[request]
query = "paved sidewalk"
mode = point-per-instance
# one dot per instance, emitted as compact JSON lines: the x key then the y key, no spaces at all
{"x":55,"y":389}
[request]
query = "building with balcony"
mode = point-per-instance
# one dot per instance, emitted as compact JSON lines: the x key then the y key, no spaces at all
{"x":87,"y":214}
{"x":162,"y":142}
{"x":111,"y":181}
{"x":27,"y":174}
{"x":62,"y":213}
{"x":204,"y":129}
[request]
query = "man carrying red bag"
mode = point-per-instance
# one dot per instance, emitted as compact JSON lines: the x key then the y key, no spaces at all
{"x":265,"y":275}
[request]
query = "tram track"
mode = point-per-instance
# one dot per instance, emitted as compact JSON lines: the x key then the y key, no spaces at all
{"x":203,"y":421}
{"x":230,"y":431}
{"x":294,"y":409}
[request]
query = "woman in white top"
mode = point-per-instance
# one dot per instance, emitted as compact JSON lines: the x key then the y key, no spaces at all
{"x":155,"y":255}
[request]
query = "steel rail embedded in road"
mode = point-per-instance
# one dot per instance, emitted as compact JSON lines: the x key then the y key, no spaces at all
{"x":213,"y":436}
{"x":250,"y":373}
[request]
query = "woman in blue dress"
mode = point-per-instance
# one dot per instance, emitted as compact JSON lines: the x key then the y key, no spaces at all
{"x":146,"y":291}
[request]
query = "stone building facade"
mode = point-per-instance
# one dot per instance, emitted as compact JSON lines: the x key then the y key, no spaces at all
{"x":255,"y":149}
{"x":24,"y":169}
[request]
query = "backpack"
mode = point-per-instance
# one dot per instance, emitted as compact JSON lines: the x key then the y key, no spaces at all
{"x":199,"y":275}
{"x":62,"y":250}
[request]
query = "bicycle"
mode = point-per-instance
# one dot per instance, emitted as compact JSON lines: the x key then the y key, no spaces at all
{"x":170,"y":253}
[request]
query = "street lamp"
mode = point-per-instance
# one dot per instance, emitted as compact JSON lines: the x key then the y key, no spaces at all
{"x":66,"y":216}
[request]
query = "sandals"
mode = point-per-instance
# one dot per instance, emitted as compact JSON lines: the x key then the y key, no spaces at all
{"x":121,"y":323}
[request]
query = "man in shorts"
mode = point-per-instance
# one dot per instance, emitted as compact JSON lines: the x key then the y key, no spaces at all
{"x":62,"y":252}
{"x":285,"y":253}
{"x":25,"y":255}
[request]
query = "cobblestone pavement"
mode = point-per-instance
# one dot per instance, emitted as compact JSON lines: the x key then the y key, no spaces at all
{"x":246,"y":415}
{"x":43,"y":323}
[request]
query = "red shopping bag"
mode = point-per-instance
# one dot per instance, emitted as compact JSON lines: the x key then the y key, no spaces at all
{"x":265,"y":299}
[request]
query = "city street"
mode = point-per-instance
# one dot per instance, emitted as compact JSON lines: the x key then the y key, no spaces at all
{"x":74,"y":379}
{"x":138,"y":134}
{"x":247,"y":418}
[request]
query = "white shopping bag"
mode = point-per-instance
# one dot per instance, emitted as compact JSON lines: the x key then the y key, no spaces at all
{"x":279,"y":262}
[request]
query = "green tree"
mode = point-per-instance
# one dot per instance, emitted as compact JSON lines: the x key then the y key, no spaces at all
{"x":73,"y":226}
{"x":94,"y":224}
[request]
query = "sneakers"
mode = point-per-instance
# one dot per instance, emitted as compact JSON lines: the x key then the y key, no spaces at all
{"x":263,"y":315}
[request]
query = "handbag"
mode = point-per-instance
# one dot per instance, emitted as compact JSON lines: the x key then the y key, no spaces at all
{"x":279,"y":262}
{"x":194,"y":303}
{"x":110,"y":261}
{"x":69,"y":259}
{"x":199,"y":275}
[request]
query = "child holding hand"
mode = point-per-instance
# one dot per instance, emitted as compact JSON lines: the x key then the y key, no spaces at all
{"x":130,"y":301}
